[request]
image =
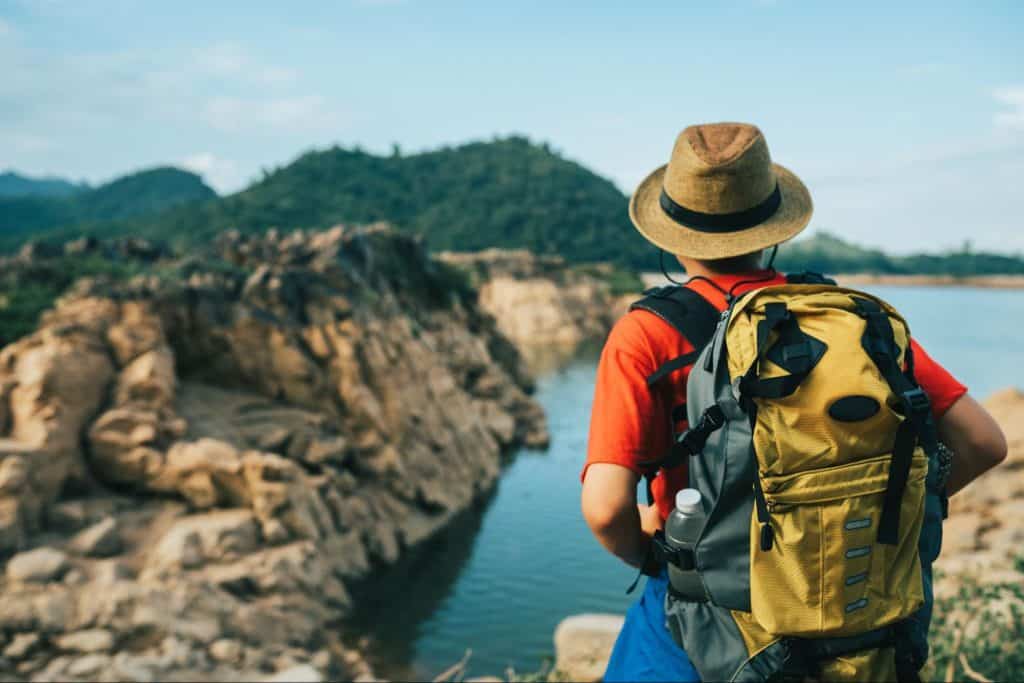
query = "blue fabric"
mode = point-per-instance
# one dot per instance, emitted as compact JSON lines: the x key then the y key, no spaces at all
{"x":644,"y":650}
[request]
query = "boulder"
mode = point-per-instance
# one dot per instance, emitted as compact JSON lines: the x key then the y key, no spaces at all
{"x":99,"y":540}
{"x":148,"y":381}
{"x":583,"y":644}
{"x":108,"y":572}
{"x":209,"y":537}
{"x":41,"y":565}
{"x":138,"y":330}
{"x":302,"y":673}
{"x":87,"y":666}
{"x":21,"y":646}
{"x":93,"y":640}
{"x":226,"y":650}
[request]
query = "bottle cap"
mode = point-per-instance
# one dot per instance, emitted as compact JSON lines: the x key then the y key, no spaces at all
{"x":688,"y":501}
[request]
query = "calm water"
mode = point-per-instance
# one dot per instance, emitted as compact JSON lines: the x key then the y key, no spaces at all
{"x":500,"y":579}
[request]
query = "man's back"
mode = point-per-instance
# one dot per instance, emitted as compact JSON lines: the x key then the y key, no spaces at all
{"x":632,"y":422}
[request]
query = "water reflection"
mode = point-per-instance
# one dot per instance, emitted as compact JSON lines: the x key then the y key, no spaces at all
{"x":403,"y":598}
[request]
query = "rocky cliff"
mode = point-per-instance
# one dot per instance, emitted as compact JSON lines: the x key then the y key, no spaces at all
{"x":197,"y":465}
{"x":540,"y":301}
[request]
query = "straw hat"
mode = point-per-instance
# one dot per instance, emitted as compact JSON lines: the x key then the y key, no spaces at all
{"x":720,"y":195}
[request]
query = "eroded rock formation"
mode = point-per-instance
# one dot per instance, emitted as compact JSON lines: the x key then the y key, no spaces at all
{"x":538,"y":300}
{"x":197,"y":464}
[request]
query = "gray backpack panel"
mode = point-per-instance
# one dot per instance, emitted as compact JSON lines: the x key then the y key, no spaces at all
{"x":725,"y":480}
{"x":710,"y":637}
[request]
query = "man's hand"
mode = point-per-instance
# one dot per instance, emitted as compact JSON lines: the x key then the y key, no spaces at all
{"x":611,"y":511}
{"x":650,"y":519}
{"x":974,"y":437}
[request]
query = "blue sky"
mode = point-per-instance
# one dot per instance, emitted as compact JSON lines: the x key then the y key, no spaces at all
{"x":906,"y":120}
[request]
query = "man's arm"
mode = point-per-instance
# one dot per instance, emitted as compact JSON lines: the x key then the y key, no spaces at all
{"x":609,"y":506}
{"x":975,"y":438}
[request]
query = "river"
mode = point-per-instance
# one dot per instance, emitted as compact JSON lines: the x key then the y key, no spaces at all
{"x":500,"y":578}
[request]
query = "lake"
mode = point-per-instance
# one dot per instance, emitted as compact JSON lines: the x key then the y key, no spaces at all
{"x":505,"y":573}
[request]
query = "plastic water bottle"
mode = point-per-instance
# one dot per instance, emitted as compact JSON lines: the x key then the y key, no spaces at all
{"x":682,"y":529}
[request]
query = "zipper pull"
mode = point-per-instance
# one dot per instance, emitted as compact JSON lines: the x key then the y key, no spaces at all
{"x":767,"y":537}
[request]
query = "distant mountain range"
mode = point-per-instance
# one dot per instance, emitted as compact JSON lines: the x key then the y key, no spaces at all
{"x":55,"y":208}
{"x":508,"y":192}
{"x":16,"y":185}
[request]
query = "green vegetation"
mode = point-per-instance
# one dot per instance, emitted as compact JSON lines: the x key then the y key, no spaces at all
{"x":144,"y":193}
{"x":29,"y":289}
{"x":507,"y":193}
{"x":504,"y":193}
{"x":16,"y":185}
{"x":827,"y":253}
{"x":978,"y":631}
{"x":621,"y":281}
{"x":26,"y":292}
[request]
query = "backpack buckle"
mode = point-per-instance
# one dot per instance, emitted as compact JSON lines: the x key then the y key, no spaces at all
{"x":711,"y":419}
{"x":693,"y":439}
{"x":915,"y":401}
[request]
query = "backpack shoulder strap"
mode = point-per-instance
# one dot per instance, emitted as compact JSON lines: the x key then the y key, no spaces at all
{"x":809,"y":277}
{"x":690,"y":314}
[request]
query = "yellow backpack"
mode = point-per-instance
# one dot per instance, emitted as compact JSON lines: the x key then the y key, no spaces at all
{"x":811,"y":444}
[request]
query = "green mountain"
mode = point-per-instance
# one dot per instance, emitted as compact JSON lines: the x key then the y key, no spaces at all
{"x":144,"y":193}
{"x":824,"y":252}
{"x":16,"y":185}
{"x":505,"y":193}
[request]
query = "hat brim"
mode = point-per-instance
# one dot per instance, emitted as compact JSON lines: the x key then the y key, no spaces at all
{"x":792,"y":216}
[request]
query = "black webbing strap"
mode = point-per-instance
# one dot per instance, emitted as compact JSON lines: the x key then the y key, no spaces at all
{"x":804,"y":655}
{"x":809,"y":277}
{"x":671,"y":366}
{"x":660,"y":553}
{"x":690,"y":314}
{"x":689,"y":443}
{"x":795,"y":346}
{"x":693,"y":317}
{"x":880,"y":344}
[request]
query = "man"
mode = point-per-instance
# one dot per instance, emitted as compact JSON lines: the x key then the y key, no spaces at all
{"x":716,"y":206}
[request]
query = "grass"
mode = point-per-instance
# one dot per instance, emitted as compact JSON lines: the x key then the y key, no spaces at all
{"x":978,"y":634}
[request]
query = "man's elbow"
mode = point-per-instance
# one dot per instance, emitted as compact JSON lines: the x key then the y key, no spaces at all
{"x":990,"y":447}
{"x":995,"y":447}
{"x":601,"y":519}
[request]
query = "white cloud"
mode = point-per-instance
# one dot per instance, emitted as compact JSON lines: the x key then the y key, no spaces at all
{"x":232,"y":60}
{"x":1013,"y":97}
{"x":222,"y":174}
{"x":301,"y":111}
{"x":222,"y":59}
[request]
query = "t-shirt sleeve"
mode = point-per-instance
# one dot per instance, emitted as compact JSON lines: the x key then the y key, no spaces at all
{"x":624,"y":407}
{"x":942,"y":388}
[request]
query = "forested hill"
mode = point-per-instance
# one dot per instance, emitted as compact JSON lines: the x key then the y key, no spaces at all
{"x":827,"y":253}
{"x":16,"y":185}
{"x":146,"y":193}
{"x":504,"y":193}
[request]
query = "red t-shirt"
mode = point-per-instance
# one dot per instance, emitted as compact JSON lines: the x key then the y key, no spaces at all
{"x":629,"y":420}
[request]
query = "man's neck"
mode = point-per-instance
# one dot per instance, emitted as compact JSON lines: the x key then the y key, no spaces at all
{"x":694,"y":267}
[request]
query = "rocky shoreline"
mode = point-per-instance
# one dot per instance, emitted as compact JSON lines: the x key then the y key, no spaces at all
{"x":200,"y":466}
{"x":543,"y":305}
{"x":197,"y":464}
